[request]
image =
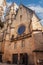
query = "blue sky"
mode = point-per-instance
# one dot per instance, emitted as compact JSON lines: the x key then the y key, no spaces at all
{"x":36,"y":5}
{"x":27,"y":2}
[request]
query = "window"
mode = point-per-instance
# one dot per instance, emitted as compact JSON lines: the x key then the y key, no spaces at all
{"x":21,"y":9}
{"x":21,"y":29}
{"x":1,"y":24}
{"x":15,"y":45}
{"x":20,"y":13}
{"x":22,"y":44}
{"x":20,"y":17}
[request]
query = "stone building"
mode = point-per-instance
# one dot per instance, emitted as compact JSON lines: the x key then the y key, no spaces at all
{"x":2,"y":5}
{"x":22,"y":39}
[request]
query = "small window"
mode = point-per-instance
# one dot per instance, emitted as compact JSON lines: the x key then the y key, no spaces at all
{"x":20,"y":17}
{"x":21,"y":8}
{"x":22,"y":44}
{"x":1,"y":24}
{"x":15,"y":45}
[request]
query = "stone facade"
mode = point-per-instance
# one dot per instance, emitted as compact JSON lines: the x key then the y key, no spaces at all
{"x":26,"y":47}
